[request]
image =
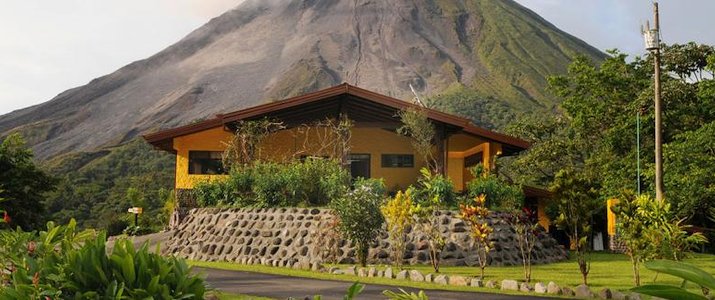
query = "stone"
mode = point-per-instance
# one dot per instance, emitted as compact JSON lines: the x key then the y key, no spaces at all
{"x":605,"y":293}
{"x":416,"y":276}
{"x":476,"y":282}
{"x":388,"y":273}
{"x":457,"y":280}
{"x":380,"y":273}
{"x":634,"y":296}
{"x":362,"y":272}
{"x":350,"y":271}
{"x":540,"y":288}
{"x":524,"y":287}
{"x":429,"y":277}
{"x":441,"y":279}
{"x":371,"y":272}
{"x":553,"y":289}
{"x":618,"y":295}
{"x":509,"y":285}
{"x":337,"y":272}
{"x":316,"y":267}
{"x":567,"y":291}
{"x":332,"y":269}
{"x":491,"y":284}
{"x":582,"y":291}
{"x":401,"y":275}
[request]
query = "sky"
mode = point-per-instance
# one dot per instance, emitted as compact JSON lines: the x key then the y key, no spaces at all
{"x":47,"y":47}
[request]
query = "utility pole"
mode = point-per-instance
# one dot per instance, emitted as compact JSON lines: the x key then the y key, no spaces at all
{"x":652,"y":40}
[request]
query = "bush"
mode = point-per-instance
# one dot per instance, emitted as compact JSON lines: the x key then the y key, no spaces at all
{"x":313,"y":182}
{"x":130,"y":273}
{"x":500,"y":194}
{"x":436,"y":189}
{"x":360,"y":216}
{"x":64,"y":263}
{"x":399,"y":215}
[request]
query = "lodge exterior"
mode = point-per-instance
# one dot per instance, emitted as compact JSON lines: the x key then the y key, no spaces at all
{"x":376,"y":149}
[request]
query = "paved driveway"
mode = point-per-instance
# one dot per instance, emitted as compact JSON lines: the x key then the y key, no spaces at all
{"x":282,"y":287}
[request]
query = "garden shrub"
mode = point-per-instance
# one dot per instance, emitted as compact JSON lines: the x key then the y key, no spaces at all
{"x":313,"y":182}
{"x":360,"y":216}
{"x":63,"y":263}
{"x":398,"y":212}
{"x":435,"y":188}
{"x":500,"y":194}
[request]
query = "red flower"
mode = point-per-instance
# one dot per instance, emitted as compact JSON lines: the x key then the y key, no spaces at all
{"x":6,"y":217}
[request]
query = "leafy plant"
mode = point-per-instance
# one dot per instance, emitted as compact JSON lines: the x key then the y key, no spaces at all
{"x":244,"y":148}
{"x":527,"y":232}
{"x":420,"y":129}
{"x":433,"y":192}
{"x":685,"y":271}
{"x":476,"y":216}
{"x":500,"y":194}
{"x":128,"y":273}
{"x":404,"y":295}
{"x":23,"y":184}
{"x":360,"y":216}
{"x":576,"y":203}
{"x":647,"y":229}
{"x":398,"y":212}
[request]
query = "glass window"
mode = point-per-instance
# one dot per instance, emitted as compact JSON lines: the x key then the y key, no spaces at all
{"x":206,"y":162}
{"x":398,"y":160}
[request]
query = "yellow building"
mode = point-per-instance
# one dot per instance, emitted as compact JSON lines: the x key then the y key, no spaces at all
{"x":377,"y":151}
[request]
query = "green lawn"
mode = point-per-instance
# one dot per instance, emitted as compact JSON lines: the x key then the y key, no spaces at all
{"x":607,"y":270}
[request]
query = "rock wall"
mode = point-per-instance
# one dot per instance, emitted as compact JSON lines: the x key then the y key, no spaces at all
{"x":288,"y":236}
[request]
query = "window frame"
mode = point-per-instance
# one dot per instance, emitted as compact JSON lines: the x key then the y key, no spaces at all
{"x":400,"y":162}
{"x":220,"y":171}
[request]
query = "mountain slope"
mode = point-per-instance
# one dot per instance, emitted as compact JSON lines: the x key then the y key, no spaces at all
{"x":268,"y":50}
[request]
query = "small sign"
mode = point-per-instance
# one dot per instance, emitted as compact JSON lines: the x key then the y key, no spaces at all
{"x":135,"y":210}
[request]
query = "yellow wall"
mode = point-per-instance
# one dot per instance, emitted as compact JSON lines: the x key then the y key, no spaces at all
{"x":544,"y":220}
{"x":296,"y":142}
{"x":208,"y":140}
{"x":461,"y":146}
{"x":610,"y":216}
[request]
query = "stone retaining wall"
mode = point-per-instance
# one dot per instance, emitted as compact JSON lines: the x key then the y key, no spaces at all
{"x":289,"y":236}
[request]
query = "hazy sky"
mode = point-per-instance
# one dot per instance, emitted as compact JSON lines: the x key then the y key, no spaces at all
{"x":47,"y":47}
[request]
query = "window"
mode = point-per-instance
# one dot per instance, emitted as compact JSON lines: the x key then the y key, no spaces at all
{"x":205,"y":162}
{"x":359,"y":165}
{"x":398,"y":160}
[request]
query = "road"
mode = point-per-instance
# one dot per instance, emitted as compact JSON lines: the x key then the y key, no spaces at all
{"x":282,"y":287}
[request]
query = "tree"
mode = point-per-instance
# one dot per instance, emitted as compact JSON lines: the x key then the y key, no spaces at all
{"x":398,"y":212}
{"x":476,"y":216}
{"x":23,"y":184}
{"x":432,"y":193}
{"x":420,"y":129}
{"x":359,"y":213}
{"x":527,"y":232}
{"x":576,"y":203}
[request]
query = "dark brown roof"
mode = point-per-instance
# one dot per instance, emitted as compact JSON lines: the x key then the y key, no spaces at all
{"x":162,"y":139}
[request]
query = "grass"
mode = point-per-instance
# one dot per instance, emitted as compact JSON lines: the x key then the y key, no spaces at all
{"x":607,"y":270}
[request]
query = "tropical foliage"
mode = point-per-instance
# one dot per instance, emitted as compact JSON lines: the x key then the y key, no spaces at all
{"x":690,"y":275}
{"x":399,"y":217}
{"x":476,"y":216}
{"x":648,"y":231}
{"x":62,"y":262}
{"x":312,"y":182}
{"x":360,"y":216}
{"x":22,"y":184}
